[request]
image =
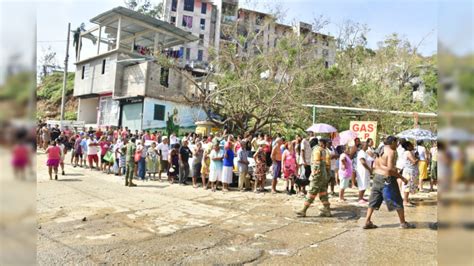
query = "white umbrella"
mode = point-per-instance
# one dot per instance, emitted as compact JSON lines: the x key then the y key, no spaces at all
{"x":417,"y":134}
{"x":321,"y":128}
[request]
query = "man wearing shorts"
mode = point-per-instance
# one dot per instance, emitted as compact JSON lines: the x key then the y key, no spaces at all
{"x":276,"y":159}
{"x":164,"y":150}
{"x":385,"y":187}
{"x":78,"y":151}
{"x":92,"y":151}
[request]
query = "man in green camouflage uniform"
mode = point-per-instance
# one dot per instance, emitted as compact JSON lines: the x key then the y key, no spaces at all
{"x":130,"y":162}
{"x":319,"y":180}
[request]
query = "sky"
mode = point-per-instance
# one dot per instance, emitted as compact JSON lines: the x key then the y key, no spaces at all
{"x":411,"y":19}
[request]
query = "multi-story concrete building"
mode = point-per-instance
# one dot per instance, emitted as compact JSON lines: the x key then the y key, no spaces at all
{"x":214,"y":21}
{"x":119,"y":81}
{"x":267,"y":32}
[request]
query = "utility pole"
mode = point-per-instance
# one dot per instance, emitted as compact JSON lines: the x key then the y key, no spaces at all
{"x":63,"y":100}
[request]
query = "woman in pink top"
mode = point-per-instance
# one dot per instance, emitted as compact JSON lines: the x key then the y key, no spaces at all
{"x":104,"y":147}
{"x":20,"y":160}
{"x":345,"y":171}
{"x":54,"y":158}
{"x":289,"y":166}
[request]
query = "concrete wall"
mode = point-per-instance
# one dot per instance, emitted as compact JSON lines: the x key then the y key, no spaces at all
{"x":196,"y":28}
{"x":186,"y":115}
{"x":178,"y":84}
{"x":87,"y":110}
{"x":94,"y":82}
{"x":134,"y":80}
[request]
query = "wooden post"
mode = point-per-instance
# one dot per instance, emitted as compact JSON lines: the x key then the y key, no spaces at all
{"x":415,"y":120}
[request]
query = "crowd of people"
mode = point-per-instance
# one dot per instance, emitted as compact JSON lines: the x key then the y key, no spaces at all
{"x":212,"y":161}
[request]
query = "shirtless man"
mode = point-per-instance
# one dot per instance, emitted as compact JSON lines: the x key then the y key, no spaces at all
{"x":387,"y":174}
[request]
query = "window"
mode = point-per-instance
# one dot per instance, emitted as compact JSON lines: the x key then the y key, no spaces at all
{"x":83,"y":71}
{"x":325,"y":52}
{"x":189,"y":5}
{"x":159,"y":113}
{"x":181,"y":52}
{"x":188,"y":53}
{"x":187,"y":22}
{"x":203,"y":8}
{"x":173,"y":20}
{"x":260,"y":19}
{"x":203,"y":24}
{"x":200,"y":55}
{"x":174,"y":4}
{"x":103,"y":67}
{"x":201,"y":39}
{"x":326,"y":64}
{"x":164,"y":76}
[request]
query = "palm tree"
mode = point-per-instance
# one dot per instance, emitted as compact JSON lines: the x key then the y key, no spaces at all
{"x":76,"y":37}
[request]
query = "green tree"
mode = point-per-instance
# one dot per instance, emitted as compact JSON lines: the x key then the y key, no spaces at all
{"x":76,"y":36}
{"x":146,"y":7}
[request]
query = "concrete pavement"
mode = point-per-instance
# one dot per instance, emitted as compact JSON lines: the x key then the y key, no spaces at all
{"x":171,"y":224}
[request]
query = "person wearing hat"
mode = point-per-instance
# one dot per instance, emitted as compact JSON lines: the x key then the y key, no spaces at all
{"x":92,"y":152}
{"x":318,"y":180}
{"x":84,"y":150}
{"x":184,"y":155}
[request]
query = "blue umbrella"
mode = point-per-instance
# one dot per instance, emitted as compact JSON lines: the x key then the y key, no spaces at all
{"x":417,"y":134}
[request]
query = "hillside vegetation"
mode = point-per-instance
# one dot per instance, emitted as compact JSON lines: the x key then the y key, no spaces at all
{"x":48,"y":96}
